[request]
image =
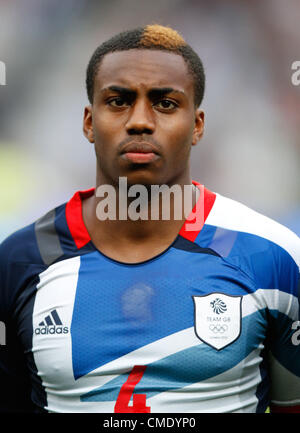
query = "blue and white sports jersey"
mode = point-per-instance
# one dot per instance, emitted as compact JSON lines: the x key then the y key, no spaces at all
{"x":209,"y":325}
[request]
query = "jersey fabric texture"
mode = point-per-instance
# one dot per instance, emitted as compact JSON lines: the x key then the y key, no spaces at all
{"x":209,"y":325}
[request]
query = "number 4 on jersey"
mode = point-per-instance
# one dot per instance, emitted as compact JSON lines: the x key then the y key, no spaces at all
{"x":139,"y":400}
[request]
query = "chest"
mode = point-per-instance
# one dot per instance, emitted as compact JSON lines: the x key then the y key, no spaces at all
{"x":92,"y":323}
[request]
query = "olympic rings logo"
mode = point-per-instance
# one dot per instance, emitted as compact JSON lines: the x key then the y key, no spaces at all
{"x":218,"y":328}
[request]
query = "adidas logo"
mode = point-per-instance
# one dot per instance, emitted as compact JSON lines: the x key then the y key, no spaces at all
{"x":51,"y":325}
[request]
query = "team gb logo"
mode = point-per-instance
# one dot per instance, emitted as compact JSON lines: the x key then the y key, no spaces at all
{"x":218,"y":319}
{"x":218,"y":306}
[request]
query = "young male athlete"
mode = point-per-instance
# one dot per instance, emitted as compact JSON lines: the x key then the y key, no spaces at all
{"x":149,"y":315}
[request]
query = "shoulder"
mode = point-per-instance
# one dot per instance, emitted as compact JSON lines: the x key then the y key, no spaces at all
{"x":26,"y":253}
{"x":234,"y":216}
{"x":267,"y":251}
{"x":26,"y":244}
{"x":17,"y":254}
{"x":20,"y":246}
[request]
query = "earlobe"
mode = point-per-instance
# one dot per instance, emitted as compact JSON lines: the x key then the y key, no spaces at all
{"x":199,"y":126}
{"x":91,"y":137}
{"x":88,"y":124}
{"x":196,"y":138}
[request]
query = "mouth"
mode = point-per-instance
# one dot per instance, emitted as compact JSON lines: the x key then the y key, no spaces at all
{"x":140,"y":153}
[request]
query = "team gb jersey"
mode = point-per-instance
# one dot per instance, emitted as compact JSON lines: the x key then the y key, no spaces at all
{"x":209,"y":325}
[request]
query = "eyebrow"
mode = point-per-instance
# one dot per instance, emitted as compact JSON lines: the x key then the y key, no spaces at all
{"x":155,"y":92}
{"x":124,"y":91}
{"x":161,"y":91}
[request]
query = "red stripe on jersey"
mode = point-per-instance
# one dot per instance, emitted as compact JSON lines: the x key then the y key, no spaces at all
{"x":75,"y":220}
{"x":284,"y":409}
{"x":196,"y":220}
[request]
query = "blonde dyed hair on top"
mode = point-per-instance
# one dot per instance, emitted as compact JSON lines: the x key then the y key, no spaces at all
{"x":161,"y":36}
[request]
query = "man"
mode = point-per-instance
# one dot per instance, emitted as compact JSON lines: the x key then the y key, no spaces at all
{"x":187,"y":314}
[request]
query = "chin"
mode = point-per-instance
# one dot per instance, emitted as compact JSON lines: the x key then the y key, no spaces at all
{"x":143,"y":176}
{"x":146,"y":179}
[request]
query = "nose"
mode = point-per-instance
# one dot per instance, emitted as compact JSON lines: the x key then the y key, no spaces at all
{"x":141,"y":119}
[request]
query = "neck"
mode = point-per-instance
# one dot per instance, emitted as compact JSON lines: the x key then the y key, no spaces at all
{"x":138,"y":215}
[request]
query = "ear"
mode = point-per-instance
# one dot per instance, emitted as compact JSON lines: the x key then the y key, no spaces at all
{"x":199,"y":126}
{"x":88,"y":123}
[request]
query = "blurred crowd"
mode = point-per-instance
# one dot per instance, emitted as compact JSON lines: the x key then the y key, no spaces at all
{"x":251,"y":147}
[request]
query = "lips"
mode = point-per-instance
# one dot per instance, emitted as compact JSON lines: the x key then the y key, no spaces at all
{"x":140,"y":152}
{"x":139,"y":147}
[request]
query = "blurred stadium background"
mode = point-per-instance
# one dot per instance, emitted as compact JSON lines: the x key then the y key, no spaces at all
{"x":251,"y":147}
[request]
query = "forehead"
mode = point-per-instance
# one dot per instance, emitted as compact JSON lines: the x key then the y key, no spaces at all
{"x":148,"y":68}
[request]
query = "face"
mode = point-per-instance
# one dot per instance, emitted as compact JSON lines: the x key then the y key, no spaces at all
{"x":143,"y":121}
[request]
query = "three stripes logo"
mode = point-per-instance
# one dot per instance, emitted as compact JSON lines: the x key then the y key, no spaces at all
{"x":51,"y":325}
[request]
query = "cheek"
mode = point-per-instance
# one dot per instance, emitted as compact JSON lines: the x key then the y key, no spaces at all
{"x":104,"y":141}
{"x":178,"y":135}
{"x":179,"y":127}
{"x":106,"y":128}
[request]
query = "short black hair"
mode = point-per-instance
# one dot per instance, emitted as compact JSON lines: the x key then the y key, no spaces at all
{"x":155,"y":37}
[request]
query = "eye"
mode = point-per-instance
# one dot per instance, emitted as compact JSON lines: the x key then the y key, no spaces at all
{"x":166,"y":104}
{"x":117,"y":102}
